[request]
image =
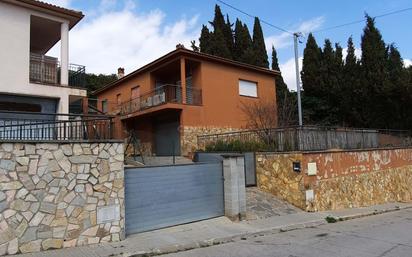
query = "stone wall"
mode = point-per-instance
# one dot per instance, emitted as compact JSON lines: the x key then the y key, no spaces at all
{"x":275,"y":175}
{"x":189,"y":136}
{"x":333,"y":180}
{"x":350,"y":179}
{"x":60,"y":195}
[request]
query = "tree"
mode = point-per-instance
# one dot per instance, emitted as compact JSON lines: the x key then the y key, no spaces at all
{"x":205,"y":40}
{"x":194,"y":47}
{"x":94,"y":82}
{"x":243,"y":48}
{"x":286,"y":101}
{"x":259,"y":46}
{"x":374,"y":75}
{"x":228,"y":35}
{"x":217,"y":42}
{"x":311,"y":75}
{"x":351,"y":90}
{"x":218,"y":45}
{"x":396,"y":91}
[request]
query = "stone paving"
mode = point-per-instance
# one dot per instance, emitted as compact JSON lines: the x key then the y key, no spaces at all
{"x":261,"y":205}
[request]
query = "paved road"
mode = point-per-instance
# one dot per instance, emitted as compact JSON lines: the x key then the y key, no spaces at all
{"x":386,"y":235}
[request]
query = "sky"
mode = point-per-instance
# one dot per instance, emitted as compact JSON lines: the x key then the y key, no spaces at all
{"x":131,"y":33}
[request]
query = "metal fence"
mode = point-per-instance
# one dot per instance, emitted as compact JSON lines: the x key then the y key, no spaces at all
{"x":161,"y":95}
{"x":26,"y":126}
{"x":307,"y":138}
{"x":46,"y":70}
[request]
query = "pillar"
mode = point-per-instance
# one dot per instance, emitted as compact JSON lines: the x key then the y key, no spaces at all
{"x":64,"y":54}
{"x":183,"y":78}
{"x":235,"y":189}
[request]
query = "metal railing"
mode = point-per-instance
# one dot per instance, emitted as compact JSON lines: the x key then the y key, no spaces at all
{"x":307,"y":138}
{"x":27,"y":126}
{"x":46,"y":70}
{"x":77,"y":75}
{"x":161,"y":95}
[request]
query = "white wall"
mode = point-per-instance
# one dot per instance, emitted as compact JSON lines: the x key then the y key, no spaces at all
{"x":15,"y":56}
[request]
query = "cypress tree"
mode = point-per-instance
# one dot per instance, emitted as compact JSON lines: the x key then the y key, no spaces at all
{"x":218,"y":45}
{"x":351,"y":89}
{"x":286,"y":101}
{"x":311,"y":65}
{"x":312,"y":81}
{"x":326,"y":114}
{"x":218,"y":20}
{"x":228,"y":34}
{"x":281,"y":86}
{"x":240,"y":43}
{"x":259,"y":45}
{"x":220,"y":41}
{"x":243,"y":48}
{"x":374,"y":75}
{"x":396,"y":91}
{"x":205,"y":40}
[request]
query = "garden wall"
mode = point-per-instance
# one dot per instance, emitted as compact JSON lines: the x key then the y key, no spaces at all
{"x":60,"y":195}
{"x":332,"y":180}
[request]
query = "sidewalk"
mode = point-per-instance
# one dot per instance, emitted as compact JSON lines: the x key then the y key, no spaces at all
{"x":211,"y":232}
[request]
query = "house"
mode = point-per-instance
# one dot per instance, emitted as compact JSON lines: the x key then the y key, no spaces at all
{"x":183,"y":94}
{"x":30,"y":80}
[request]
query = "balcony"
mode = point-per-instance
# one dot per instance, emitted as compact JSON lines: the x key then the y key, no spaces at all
{"x":159,"y":96}
{"x":46,"y":70}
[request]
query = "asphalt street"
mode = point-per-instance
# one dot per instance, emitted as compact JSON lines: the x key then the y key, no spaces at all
{"x":386,"y":235}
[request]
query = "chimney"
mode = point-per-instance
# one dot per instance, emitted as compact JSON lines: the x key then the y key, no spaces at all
{"x":120,"y":73}
{"x":180,"y":46}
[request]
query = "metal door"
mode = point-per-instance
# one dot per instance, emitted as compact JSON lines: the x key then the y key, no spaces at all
{"x":167,"y":138}
{"x":250,"y":163}
{"x":158,"y":197}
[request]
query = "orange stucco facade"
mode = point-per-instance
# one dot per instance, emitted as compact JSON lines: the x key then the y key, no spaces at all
{"x":213,"y":86}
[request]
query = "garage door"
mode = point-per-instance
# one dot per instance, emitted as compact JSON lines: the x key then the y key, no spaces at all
{"x":158,"y":197}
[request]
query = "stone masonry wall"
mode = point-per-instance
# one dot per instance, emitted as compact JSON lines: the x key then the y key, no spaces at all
{"x":275,"y":175}
{"x":189,"y":142}
{"x":338,"y":179}
{"x":60,"y":195}
{"x":350,"y":179}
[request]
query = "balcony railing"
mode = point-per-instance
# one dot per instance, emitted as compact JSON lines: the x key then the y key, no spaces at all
{"x":46,"y":70}
{"x":161,"y":95}
{"x":28,"y":126}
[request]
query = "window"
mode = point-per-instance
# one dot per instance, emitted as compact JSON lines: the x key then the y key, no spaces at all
{"x":247,"y":88}
{"x":135,"y":92}
{"x":119,"y":99}
{"x":104,"y":106}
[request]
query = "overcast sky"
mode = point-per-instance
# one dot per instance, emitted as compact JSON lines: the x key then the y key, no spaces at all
{"x":131,"y":33}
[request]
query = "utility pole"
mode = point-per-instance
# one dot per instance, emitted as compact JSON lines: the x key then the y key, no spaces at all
{"x":295,"y":40}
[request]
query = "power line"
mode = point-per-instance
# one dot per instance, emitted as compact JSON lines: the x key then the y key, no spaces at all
{"x":363,"y":20}
{"x":254,"y":16}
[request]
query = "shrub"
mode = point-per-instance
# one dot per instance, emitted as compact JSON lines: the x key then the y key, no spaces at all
{"x":236,"y":146}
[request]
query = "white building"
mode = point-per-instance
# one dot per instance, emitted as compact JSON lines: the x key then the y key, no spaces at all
{"x":29,"y":80}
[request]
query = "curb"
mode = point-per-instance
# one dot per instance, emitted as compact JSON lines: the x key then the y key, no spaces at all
{"x":244,"y":236}
{"x":369,"y":213}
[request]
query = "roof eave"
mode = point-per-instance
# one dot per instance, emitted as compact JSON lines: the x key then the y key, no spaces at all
{"x":189,"y":53}
{"x":73,"y":16}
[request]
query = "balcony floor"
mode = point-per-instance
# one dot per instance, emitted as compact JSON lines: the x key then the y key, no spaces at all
{"x":154,"y":110}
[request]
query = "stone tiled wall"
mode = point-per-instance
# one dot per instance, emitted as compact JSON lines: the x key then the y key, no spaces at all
{"x":60,"y":195}
{"x":275,"y":175}
{"x":350,"y":179}
{"x":343,"y":179}
{"x":189,"y":142}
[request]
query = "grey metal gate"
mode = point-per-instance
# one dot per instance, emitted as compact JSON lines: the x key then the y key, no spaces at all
{"x":250,"y":169}
{"x":250,"y":163}
{"x":158,"y":197}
